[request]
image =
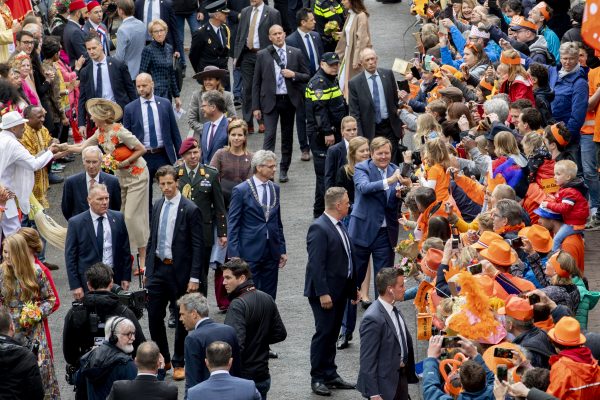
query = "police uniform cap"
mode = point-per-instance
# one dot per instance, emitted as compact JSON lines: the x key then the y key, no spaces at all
{"x":330,"y":58}
{"x":217,"y":6}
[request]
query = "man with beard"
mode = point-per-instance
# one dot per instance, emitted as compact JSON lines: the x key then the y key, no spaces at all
{"x":73,"y":35}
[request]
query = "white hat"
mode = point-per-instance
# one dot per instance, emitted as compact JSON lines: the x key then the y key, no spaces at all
{"x":12,"y":119}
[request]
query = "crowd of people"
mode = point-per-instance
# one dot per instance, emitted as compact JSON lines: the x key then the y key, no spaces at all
{"x":464,"y":181}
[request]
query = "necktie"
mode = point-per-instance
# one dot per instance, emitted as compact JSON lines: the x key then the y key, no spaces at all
{"x":311,"y":54}
{"x":211,"y":137}
{"x":162,"y":234}
{"x":264,"y":201}
{"x":100,"y":236}
{"x":220,"y":35}
{"x":383,"y":175}
{"x":151,"y":126}
{"x":99,"y":81}
{"x":149,"y":18}
{"x":347,"y":246}
{"x":376,"y":100}
{"x":250,"y":42}
{"x":103,"y":40}
{"x":92,"y":183}
{"x":280,"y":78}
{"x":191,"y":175}
{"x":403,"y":344}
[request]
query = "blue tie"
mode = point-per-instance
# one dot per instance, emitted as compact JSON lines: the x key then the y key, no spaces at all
{"x":162,"y":235}
{"x":376,"y":100}
{"x":99,"y":81}
{"x":100,"y":236}
{"x":149,"y":19}
{"x":151,"y":127}
{"x":311,"y":54}
{"x":264,"y":196}
{"x":280,"y":78}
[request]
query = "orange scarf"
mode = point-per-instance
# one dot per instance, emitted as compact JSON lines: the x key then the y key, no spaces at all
{"x":510,"y":228}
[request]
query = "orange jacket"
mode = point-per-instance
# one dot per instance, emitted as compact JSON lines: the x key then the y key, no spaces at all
{"x":572,"y":380}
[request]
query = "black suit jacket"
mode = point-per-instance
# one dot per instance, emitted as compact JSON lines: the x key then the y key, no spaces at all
{"x":143,"y":387}
{"x":362,"y":107}
{"x":187,"y":244}
{"x":120,"y":82}
{"x":297,"y":41}
{"x":74,"y":42}
{"x":75,"y":193}
{"x":265,"y":82}
{"x":327,"y":266}
{"x":269,"y":17}
{"x":336,"y":158}
{"x":81,"y":251}
{"x":166,"y":14}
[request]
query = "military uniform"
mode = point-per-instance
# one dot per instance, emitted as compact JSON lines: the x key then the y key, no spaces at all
{"x":204,"y":189}
{"x":325,"y":109}
{"x":326,"y":11}
{"x":207,"y":48}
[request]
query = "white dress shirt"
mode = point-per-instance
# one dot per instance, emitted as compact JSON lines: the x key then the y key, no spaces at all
{"x":217,"y":30}
{"x":88,"y":178}
{"x":107,"y":252}
{"x":389,"y":308}
{"x":155,"y":11}
{"x":256,"y":42}
{"x":344,"y":238}
{"x":312,"y":43}
{"x":107,"y":91}
{"x":283,"y":88}
{"x":382,"y":103}
{"x":259,"y":188}
{"x":170,"y":223}
{"x":201,"y":320}
{"x":154,"y":107}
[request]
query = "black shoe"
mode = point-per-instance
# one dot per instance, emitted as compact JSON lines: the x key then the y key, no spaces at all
{"x":365,"y":304}
{"x":339,"y":383}
{"x":283,"y":177}
{"x":342,"y":342}
{"x":172,"y":321}
{"x":50,"y":266}
{"x":320,"y":389}
{"x":273,"y":354}
{"x":237,"y":102}
{"x":66,"y":159}
{"x":54,"y":178}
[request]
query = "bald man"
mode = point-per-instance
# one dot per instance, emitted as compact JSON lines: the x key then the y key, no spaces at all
{"x":152,"y":120}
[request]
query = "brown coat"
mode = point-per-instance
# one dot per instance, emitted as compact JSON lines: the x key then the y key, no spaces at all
{"x":360,"y":39}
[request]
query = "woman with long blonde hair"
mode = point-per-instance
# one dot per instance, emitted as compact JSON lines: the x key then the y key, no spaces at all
{"x":427,"y":128}
{"x":23,"y":283}
{"x":514,"y":79}
{"x":358,"y":151}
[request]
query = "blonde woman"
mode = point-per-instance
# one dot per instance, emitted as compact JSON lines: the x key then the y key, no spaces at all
{"x":515,"y":81}
{"x":437,"y":157}
{"x":358,"y":150}
{"x":23,"y":283}
{"x":427,"y":129}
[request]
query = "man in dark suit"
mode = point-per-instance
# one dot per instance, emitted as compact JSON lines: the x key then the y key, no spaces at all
{"x":97,"y":235}
{"x":233,"y":20}
{"x":330,"y":282}
{"x":149,"y":10}
{"x":214,"y":130}
{"x":73,"y":36}
{"x":152,"y":120}
{"x":76,"y":188}
{"x":211,"y":42}
{"x":337,"y":154}
{"x":145,"y":386}
{"x":279,"y":79}
{"x":173,"y":261}
{"x":254,"y":228}
{"x":103,"y":77}
{"x":309,"y":42}
{"x":221,"y":385}
{"x":374,"y":219}
{"x":193,"y":311}
{"x":387,"y":358}
{"x":377,"y":114}
{"x":252,"y":36}
{"x":95,"y":25}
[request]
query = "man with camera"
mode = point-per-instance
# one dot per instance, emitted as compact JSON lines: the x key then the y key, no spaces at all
{"x":85,"y":321}
{"x":21,"y":377}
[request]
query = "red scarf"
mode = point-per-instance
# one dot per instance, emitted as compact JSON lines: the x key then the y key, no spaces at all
{"x":578,"y":354}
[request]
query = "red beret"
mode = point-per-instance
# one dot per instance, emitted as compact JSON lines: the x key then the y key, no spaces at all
{"x":92,"y":4}
{"x":76,"y":5}
{"x":187,"y":144}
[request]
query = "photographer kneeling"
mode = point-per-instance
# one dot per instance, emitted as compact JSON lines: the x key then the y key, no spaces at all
{"x":85,"y":321}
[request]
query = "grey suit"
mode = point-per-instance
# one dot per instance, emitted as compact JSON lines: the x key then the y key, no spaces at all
{"x":380,"y":372}
{"x":245,"y":58}
{"x":131,"y":40}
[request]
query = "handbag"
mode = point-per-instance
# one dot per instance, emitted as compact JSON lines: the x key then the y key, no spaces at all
{"x":178,"y":70}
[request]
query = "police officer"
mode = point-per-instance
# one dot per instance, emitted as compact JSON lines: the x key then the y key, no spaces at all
{"x":325,"y":108}
{"x":211,"y":42}
{"x":200,"y":184}
{"x":328,"y":11}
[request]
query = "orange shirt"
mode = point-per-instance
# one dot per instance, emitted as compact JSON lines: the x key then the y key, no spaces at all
{"x":574,"y":245}
{"x":592,"y":118}
{"x":442,"y":182}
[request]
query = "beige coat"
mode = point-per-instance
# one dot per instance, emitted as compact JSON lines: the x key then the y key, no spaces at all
{"x":360,"y":40}
{"x":6,"y":38}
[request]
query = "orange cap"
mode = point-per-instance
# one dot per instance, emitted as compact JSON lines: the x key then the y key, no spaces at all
{"x":493,"y":362}
{"x":518,"y":22}
{"x":517,"y":308}
{"x":553,"y":261}
{"x":540,"y":237}
{"x":542,"y":7}
{"x":485,"y":239}
{"x":487,"y":284}
{"x":567,"y":332}
{"x":431,"y":262}
{"x":499,"y":253}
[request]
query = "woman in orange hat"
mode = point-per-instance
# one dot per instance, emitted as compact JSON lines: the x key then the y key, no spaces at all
{"x":556,"y":279}
{"x":537,"y":245}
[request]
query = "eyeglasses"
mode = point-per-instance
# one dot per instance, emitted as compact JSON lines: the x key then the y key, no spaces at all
{"x":159,"y":31}
{"x":28,"y":42}
{"x":129,"y":334}
{"x":268,"y":166}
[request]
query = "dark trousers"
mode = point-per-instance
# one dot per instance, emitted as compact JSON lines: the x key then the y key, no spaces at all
{"x":204,"y":270}
{"x":247,"y":68}
{"x":322,"y":345}
{"x":284,"y":112}
{"x":402,"y":388}
{"x":319,"y":156}
{"x":263,"y":387}
{"x":265,"y":273}
{"x":301,"y":128}
{"x":383,"y":256}
{"x":384,"y":128}
{"x":162,"y":289}
{"x":154,"y":162}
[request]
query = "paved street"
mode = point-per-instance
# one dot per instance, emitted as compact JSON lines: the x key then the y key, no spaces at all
{"x":290,"y":373}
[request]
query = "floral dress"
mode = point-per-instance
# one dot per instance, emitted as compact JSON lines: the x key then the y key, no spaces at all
{"x":46,"y":300}
{"x":117,"y":141}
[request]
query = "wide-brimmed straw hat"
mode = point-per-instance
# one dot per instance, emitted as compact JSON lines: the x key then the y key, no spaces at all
{"x":104,"y":109}
{"x":210,"y":71}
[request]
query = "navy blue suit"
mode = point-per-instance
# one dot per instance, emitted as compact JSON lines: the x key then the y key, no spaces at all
{"x":81,"y":251}
{"x":336,"y":159}
{"x":75,"y":193}
{"x":255,"y":237}
{"x":218,"y":142}
{"x":329,"y":270}
{"x":196,"y":342}
{"x":224,"y":386}
{"x":299,"y":42}
{"x":73,"y":40}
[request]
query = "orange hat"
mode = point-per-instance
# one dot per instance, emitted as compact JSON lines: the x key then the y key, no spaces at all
{"x":487,"y":284}
{"x":510,"y":61}
{"x":499,"y":253}
{"x":519,"y":23}
{"x":553,"y":261}
{"x":431,"y":262}
{"x":567,"y":332}
{"x":542,"y":7}
{"x":517,"y":308}
{"x":540,"y":237}
{"x":485,"y":239}
{"x":493,"y":362}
